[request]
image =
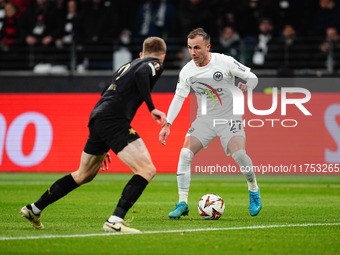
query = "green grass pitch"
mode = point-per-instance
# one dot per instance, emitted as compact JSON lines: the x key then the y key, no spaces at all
{"x":287,"y":200}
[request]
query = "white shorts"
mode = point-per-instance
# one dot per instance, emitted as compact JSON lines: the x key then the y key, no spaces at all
{"x":206,"y":130}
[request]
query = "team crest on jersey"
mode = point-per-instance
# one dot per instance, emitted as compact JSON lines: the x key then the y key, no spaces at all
{"x":218,"y":76}
{"x":156,"y":65}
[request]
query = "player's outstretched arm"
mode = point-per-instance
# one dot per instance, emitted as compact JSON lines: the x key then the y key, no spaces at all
{"x":159,"y":116}
{"x":174,"y":109}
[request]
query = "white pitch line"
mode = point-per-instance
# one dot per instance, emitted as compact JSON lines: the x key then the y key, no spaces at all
{"x":170,"y":231}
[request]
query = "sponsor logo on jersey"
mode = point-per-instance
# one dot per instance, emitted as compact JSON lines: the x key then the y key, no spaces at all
{"x":209,"y":93}
{"x":218,"y":76}
{"x":241,"y":67}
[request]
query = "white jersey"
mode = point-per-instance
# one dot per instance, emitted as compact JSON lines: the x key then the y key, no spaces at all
{"x":214,"y":85}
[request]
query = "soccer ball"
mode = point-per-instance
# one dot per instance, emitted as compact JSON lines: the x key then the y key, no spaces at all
{"x":211,"y":207}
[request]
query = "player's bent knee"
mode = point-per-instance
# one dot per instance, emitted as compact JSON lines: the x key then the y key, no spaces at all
{"x":151,"y":170}
{"x":184,"y":162}
{"x":89,"y":178}
{"x":242,"y":158}
{"x":239,"y":155}
{"x":148,"y":172}
{"x":186,"y":155}
{"x":81,"y":178}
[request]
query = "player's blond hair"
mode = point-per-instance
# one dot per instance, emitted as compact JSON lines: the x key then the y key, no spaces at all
{"x":154,"y":45}
{"x":199,"y":32}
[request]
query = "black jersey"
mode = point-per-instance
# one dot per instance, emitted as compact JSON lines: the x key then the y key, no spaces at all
{"x":130,"y":87}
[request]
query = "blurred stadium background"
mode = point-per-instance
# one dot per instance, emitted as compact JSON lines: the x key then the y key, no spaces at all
{"x":282,"y":37}
{"x":57,"y":55}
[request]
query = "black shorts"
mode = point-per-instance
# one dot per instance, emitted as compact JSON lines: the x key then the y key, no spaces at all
{"x":106,"y":134}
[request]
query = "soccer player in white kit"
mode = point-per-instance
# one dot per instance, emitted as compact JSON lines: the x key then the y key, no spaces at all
{"x":212,"y":77}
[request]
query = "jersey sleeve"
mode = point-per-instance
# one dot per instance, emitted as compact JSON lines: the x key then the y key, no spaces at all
{"x":183,"y":88}
{"x":237,"y":69}
{"x":142,"y":78}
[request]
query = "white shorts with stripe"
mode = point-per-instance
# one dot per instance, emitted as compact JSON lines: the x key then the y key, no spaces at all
{"x":206,"y":129}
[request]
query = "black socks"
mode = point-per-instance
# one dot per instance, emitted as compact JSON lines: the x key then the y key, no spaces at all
{"x":132,"y":191}
{"x":59,"y":189}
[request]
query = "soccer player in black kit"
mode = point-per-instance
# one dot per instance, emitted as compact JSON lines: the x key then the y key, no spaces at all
{"x":109,"y":127}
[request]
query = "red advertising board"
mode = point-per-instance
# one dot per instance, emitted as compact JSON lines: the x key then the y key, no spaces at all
{"x":284,"y":144}
{"x":47,"y":133}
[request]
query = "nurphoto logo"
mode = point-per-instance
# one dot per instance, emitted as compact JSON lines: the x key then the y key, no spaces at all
{"x":239,"y":102}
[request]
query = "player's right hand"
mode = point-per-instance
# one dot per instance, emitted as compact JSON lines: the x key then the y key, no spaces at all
{"x":242,"y":86}
{"x":159,"y":116}
{"x":106,"y":162}
{"x":165,"y":132}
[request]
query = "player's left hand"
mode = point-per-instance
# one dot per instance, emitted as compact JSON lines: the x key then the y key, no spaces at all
{"x":159,"y":116}
{"x":106,"y":162}
{"x":165,"y":132}
{"x":242,"y":86}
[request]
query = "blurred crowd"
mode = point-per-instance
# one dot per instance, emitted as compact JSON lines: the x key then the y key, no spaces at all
{"x":102,"y":34}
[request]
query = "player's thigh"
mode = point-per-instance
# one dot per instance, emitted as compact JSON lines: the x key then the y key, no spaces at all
{"x":201,"y":133}
{"x":136,"y":156}
{"x":236,"y":143}
{"x":232,"y":138}
{"x":89,"y":167}
{"x":192,"y":143}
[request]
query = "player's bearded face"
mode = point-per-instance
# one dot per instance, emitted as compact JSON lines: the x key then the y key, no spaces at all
{"x":199,"y":50}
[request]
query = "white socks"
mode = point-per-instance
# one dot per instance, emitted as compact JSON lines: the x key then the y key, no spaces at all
{"x":115,"y":219}
{"x":246,"y":167}
{"x":184,"y":171}
{"x":35,"y":209}
{"x":184,"y":174}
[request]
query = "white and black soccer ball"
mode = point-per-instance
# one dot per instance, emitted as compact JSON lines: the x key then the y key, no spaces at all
{"x":211,"y":207}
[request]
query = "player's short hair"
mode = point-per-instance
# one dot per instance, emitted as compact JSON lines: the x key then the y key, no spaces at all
{"x":199,"y":32}
{"x":154,"y":45}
